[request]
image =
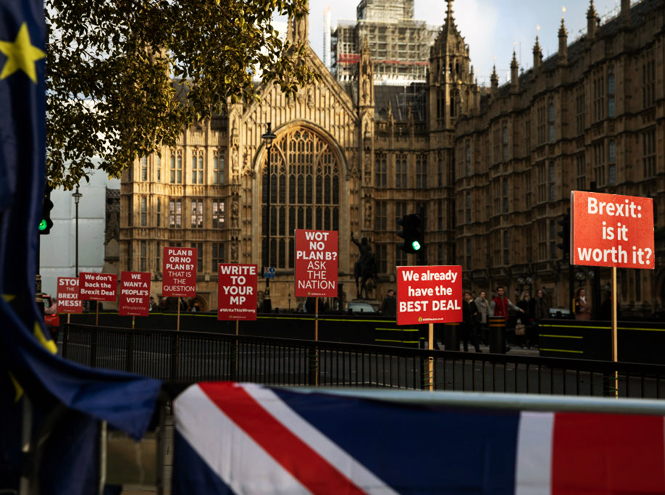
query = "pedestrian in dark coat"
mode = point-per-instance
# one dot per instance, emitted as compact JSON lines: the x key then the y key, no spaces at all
{"x":541,"y":311}
{"x":470,"y":323}
{"x":526,"y":304}
{"x":389,"y":304}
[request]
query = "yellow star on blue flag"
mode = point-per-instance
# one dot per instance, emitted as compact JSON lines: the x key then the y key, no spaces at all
{"x":21,"y":55}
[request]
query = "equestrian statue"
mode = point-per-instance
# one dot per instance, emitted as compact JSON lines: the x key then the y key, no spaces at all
{"x":364,"y":270}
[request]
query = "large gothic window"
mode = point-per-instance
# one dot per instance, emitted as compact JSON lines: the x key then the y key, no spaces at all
{"x":304,"y":192}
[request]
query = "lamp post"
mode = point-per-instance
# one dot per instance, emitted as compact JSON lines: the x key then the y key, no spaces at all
{"x":268,"y":138}
{"x":77,"y":197}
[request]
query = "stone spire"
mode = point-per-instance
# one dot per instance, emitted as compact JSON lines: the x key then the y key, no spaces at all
{"x":449,"y":11}
{"x":563,"y":43}
{"x":514,"y":75}
{"x":537,"y":54}
{"x":624,"y":16}
{"x":365,"y":76}
{"x":591,"y":21}
{"x":449,"y":26}
{"x":297,"y":30}
{"x":494,"y":80}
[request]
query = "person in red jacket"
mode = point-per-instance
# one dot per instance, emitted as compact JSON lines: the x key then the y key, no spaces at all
{"x":501,"y":304}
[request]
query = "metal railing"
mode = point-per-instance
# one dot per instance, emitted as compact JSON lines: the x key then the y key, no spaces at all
{"x":188,"y":357}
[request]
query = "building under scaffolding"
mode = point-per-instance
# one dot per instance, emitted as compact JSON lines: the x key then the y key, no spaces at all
{"x":399,"y":45}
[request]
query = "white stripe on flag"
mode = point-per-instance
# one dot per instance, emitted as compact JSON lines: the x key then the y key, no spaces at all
{"x":232,"y":454}
{"x":317,"y":441}
{"x":533,"y":469}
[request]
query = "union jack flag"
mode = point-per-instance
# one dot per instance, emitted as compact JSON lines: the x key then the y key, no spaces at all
{"x":242,"y":438}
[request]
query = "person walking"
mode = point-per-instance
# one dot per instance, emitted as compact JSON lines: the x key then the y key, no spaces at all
{"x":484,"y":311}
{"x":582,"y":307}
{"x":526,"y":304}
{"x":470,"y":322}
{"x":501,"y":306}
{"x":389,"y":304}
{"x":541,"y":311}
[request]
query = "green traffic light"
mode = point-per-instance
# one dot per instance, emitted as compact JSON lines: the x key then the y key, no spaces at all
{"x":415,"y":245}
{"x":42,"y":225}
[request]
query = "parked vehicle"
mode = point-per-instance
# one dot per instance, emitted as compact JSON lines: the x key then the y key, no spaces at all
{"x":360,"y":307}
{"x":51,"y":316}
{"x":561,"y":313}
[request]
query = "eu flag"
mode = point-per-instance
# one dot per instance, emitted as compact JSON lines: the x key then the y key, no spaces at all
{"x":28,"y":366}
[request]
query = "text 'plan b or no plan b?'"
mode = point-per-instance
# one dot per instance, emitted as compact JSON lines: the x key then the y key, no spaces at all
{"x":429,"y":294}
{"x":179,"y":273}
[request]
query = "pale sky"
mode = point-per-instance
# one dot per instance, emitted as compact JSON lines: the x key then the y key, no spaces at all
{"x":491,"y":28}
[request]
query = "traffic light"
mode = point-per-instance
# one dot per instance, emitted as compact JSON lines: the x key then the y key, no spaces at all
{"x":45,"y":222}
{"x":411,"y":232}
{"x":564,"y":234}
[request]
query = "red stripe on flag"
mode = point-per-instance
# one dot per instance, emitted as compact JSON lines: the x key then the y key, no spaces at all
{"x":607,"y":454}
{"x":294,"y":455}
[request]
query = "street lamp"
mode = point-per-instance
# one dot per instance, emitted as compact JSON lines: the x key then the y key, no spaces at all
{"x":77,"y":197}
{"x":268,"y":138}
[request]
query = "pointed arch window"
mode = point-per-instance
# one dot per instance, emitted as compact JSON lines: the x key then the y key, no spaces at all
{"x":550,"y":121}
{"x":610,"y":93}
{"x":611,"y":162}
{"x":400,"y":172}
{"x":467,"y":160}
{"x":144,"y":168}
{"x":304,"y":183}
{"x":197,"y":167}
{"x":504,"y":142}
{"x":380,"y":170}
{"x":176,"y":168}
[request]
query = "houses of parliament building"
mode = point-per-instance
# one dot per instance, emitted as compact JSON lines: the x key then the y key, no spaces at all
{"x":489,"y":169}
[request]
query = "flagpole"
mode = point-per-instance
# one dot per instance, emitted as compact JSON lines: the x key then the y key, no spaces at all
{"x":102,"y":456}
{"x":316,"y":318}
{"x":615,"y":349}
{"x":431,"y":359}
{"x":177,"y":327}
{"x":26,"y":448}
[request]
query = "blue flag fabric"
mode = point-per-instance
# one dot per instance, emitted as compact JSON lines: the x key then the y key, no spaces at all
{"x":28,"y":365}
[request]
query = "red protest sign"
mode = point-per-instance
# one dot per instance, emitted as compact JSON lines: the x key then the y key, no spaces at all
{"x":237,"y":292}
{"x":179,"y":272}
{"x":429,"y":294}
{"x":134,"y":294}
{"x":316,"y":263}
{"x":612,"y":230}
{"x":98,"y":286}
{"x":68,"y":295}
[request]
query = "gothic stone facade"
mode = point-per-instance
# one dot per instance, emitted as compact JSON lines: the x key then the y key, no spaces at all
{"x":490,"y":170}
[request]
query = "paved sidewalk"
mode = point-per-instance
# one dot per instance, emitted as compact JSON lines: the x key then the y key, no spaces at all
{"x":514,"y":350}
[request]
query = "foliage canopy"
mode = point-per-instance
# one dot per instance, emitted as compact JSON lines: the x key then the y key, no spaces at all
{"x":111,"y":66}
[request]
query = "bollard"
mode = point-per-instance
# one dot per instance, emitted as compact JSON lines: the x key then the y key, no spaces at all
{"x":497,"y":334}
{"x":451,"y":337}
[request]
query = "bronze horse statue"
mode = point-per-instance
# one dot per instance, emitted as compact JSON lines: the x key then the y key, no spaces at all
{"x":365,"y":269}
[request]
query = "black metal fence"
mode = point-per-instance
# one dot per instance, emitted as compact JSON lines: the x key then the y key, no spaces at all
{"x":188,"y":357}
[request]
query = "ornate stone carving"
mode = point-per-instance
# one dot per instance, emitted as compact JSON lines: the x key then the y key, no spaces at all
{"x":235,"y":209}
{"x":234,"y":251}
{"x":310,"y":97}
{"x":368,"y":212}
{"x":367,"y":176}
